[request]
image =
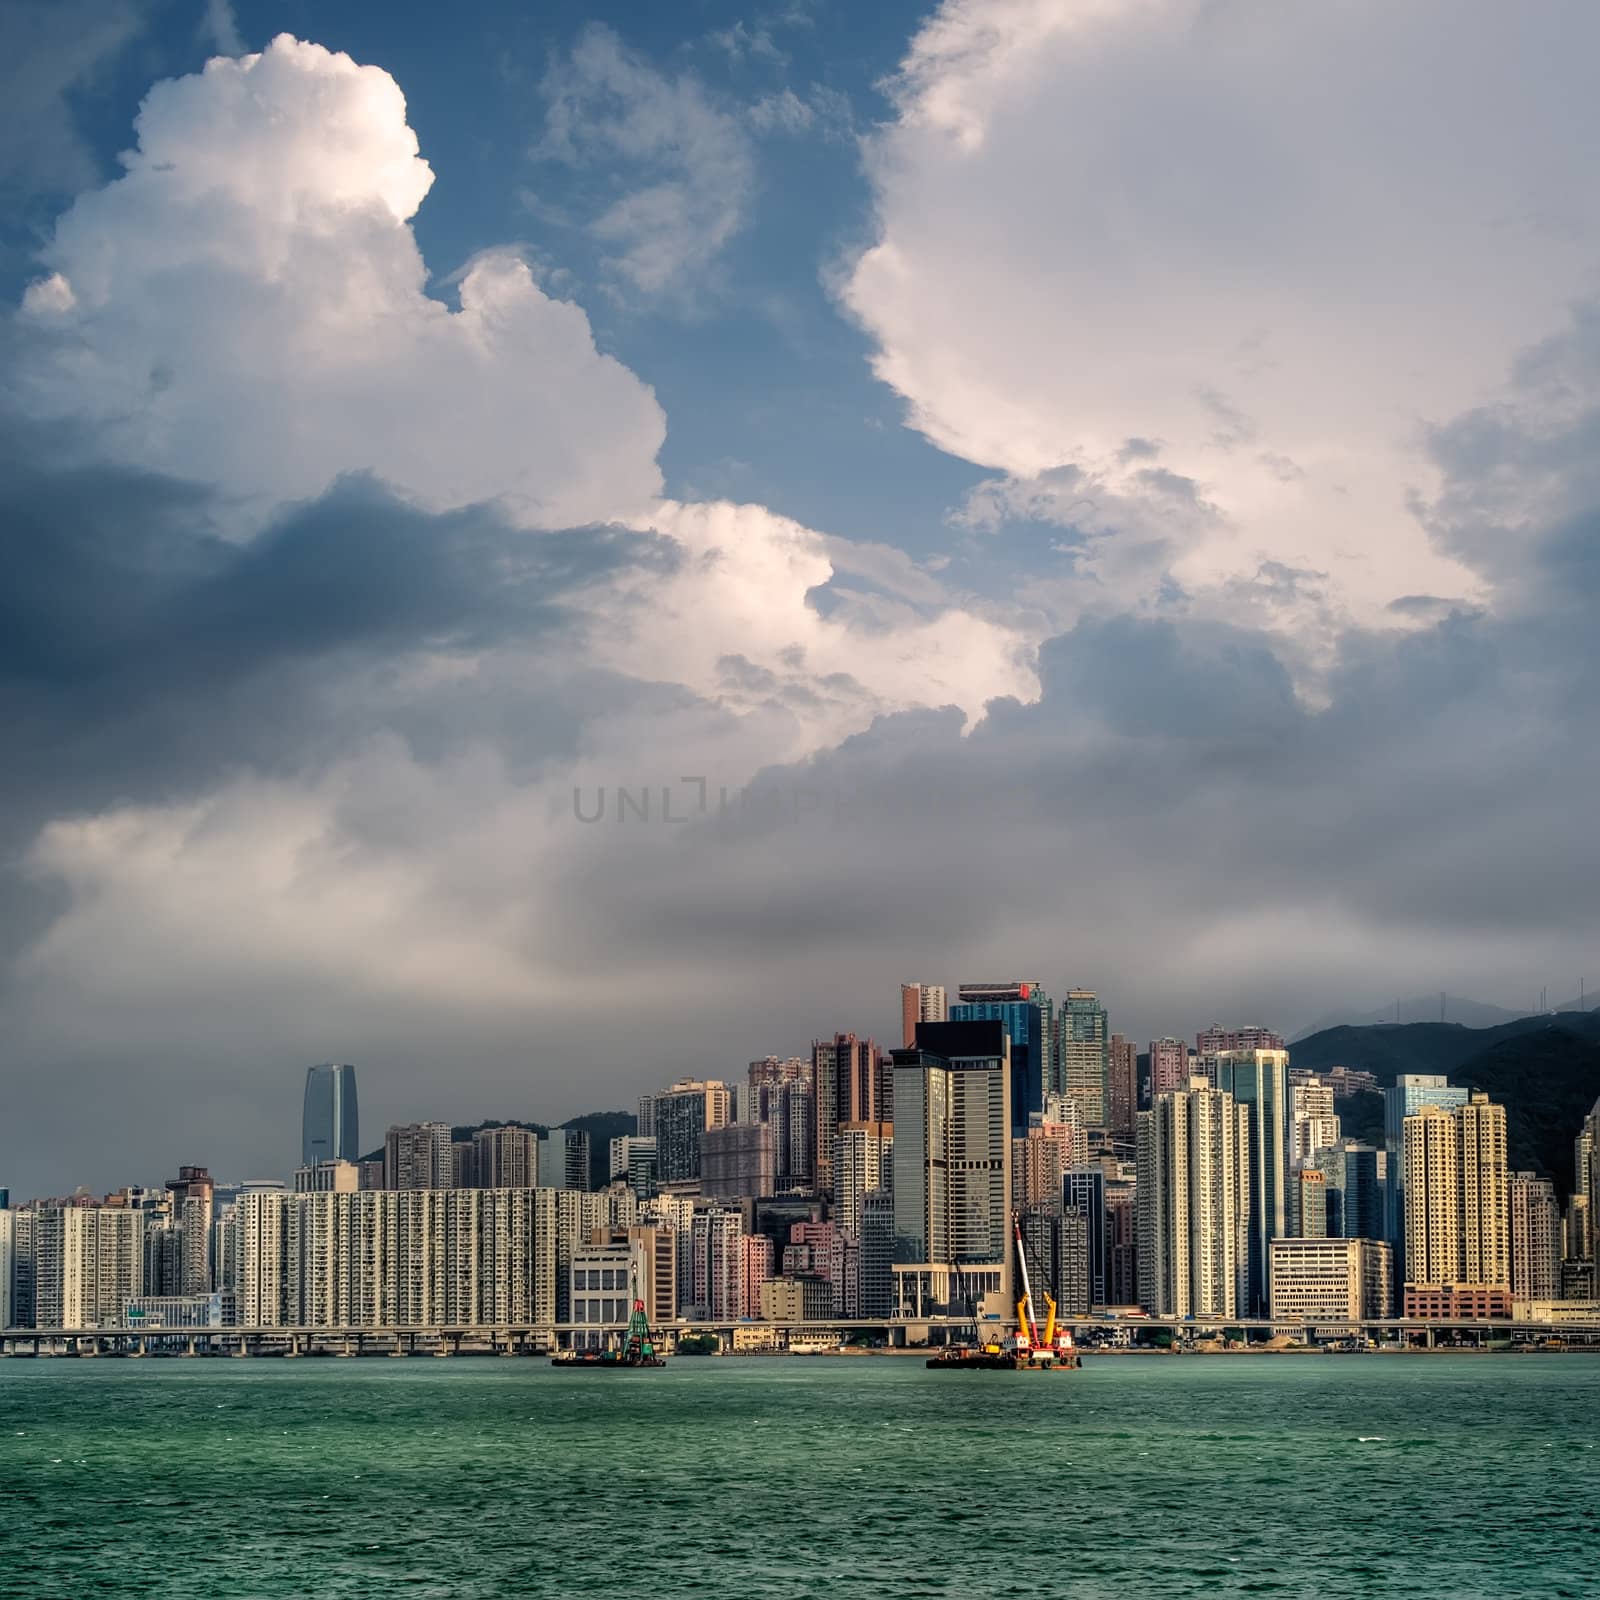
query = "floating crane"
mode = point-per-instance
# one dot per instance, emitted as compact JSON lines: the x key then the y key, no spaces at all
{"x":1025,"y":1350}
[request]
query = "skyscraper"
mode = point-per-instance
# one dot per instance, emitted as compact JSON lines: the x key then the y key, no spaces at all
{"x":330,"y":1128}
{"x":1192,"y":1203}
{"x":1025,"y":1011}
{"x":193,"y":1198}
{"x":1356,"y":1177}
{"x":782,"y":1094}
{"x":919,"y":1002}
{"x":1410,"y":1092}
{"x":1122,"y":1084}
{"x":680,"y":1115}
{"x":849,"y":1077}
{"x":1083,"y":1189}
{"x":862,"y":1154}
{"x":1433,"y":1197}
{"x":1457,"y":1210}
{"x":952,"y":1166}
{"x":1083,"y":1054}
{"x":1485,"y":1193}
{"x":1258,"y":1080}
{"x":1535,"y":1238}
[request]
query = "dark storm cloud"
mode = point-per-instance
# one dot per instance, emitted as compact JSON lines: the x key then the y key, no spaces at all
{"x":142,"y":655}
{"x":1171,"y":823}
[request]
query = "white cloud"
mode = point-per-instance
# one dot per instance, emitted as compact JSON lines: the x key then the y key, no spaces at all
{"x":221,"y":27}
{"x":689,"y":162}
{"x":1279,"y":239}
{"x":247,"y":306}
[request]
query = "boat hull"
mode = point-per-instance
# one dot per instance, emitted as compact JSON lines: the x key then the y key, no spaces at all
{"x":1001,"y":1361}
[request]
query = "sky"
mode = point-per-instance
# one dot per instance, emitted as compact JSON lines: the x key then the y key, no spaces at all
{"x":550,"y":548}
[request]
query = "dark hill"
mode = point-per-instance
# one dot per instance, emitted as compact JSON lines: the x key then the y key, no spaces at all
{"x":1389,"y":1048}
{"x":1544,"y":1070}
{"x":1548,"y":1081}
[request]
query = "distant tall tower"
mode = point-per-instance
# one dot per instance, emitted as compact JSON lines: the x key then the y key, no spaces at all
{"x":1193,"y":1203}
{"x":329,"y":1125}
{"x":1122,"y":1084}
{"x":1433,"y":1197}
{"x":1084,"y":1054}
{"x":919,"y":1002}
{"x":1259,"y":1082}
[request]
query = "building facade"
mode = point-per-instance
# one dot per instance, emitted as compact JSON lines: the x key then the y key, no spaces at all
{"x":330,"y":1120}
{"x":1193,"y":1199}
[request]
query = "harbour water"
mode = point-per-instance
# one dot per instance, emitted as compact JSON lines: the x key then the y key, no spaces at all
{"x":1373,"y":1476}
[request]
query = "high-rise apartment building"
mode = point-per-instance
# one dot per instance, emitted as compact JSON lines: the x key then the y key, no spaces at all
{"x":1308,"y":1201}
{"x":1122,"y":1244}
{"x":782,"y":1094}
{"x":1457,"y":1210}
{"x":1122,"y":1084}
{"x":680,"y":1115}
{"x":88,"y":1264}
{"x":717,"y":1263}
{"x":1083,"y":1054}
{"x":1041,"y":1159}
{"x":1193,"y":1202}
{"x":330,"y":1123}
{"x":416,"y":1155}
{"x":1432,"y":1158}
{"x":8,"y":1267}
{"x":1409,"y":1093}
{"x":738,"y":1161}
{"x":1535,"y":1238}
{"x":1215,"y":1039}
{"x":413,"y":1257}
{"x":1169,"y":1066}
{"x":1083,"y":1190}
{"x":952,"y":1166}
{"x":505,"y":1158}
{"x":192,"y":1199}
{"x":851,"y":1086}
{"x":1056,"y":1241}
{"x":919,"y":1002}
{"x":1485,"y":1193}
{"x":257,"y":1271}
{"x":1313,"y":1124}
{"x":862,"y":1156}
{"x":1258,"y":1080}
{"x":1587,"y":1184}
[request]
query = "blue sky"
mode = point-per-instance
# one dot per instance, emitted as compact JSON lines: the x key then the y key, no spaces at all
{"x":765,"y":383}
{"x":1121,"y":476}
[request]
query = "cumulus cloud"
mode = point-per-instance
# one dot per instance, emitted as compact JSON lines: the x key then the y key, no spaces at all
{"x":689,"y":168}
{"x":1280,"y":241}
{"x":247,"y":305}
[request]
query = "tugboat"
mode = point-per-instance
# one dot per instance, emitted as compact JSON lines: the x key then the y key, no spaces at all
{"x":1022,"y":1351}
{"x":638,"y":1348}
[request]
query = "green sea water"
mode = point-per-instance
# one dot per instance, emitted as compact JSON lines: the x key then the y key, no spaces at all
{"x":1365,"y":1476}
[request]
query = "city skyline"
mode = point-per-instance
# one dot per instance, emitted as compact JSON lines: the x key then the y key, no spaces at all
{"x":603,"y":501}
